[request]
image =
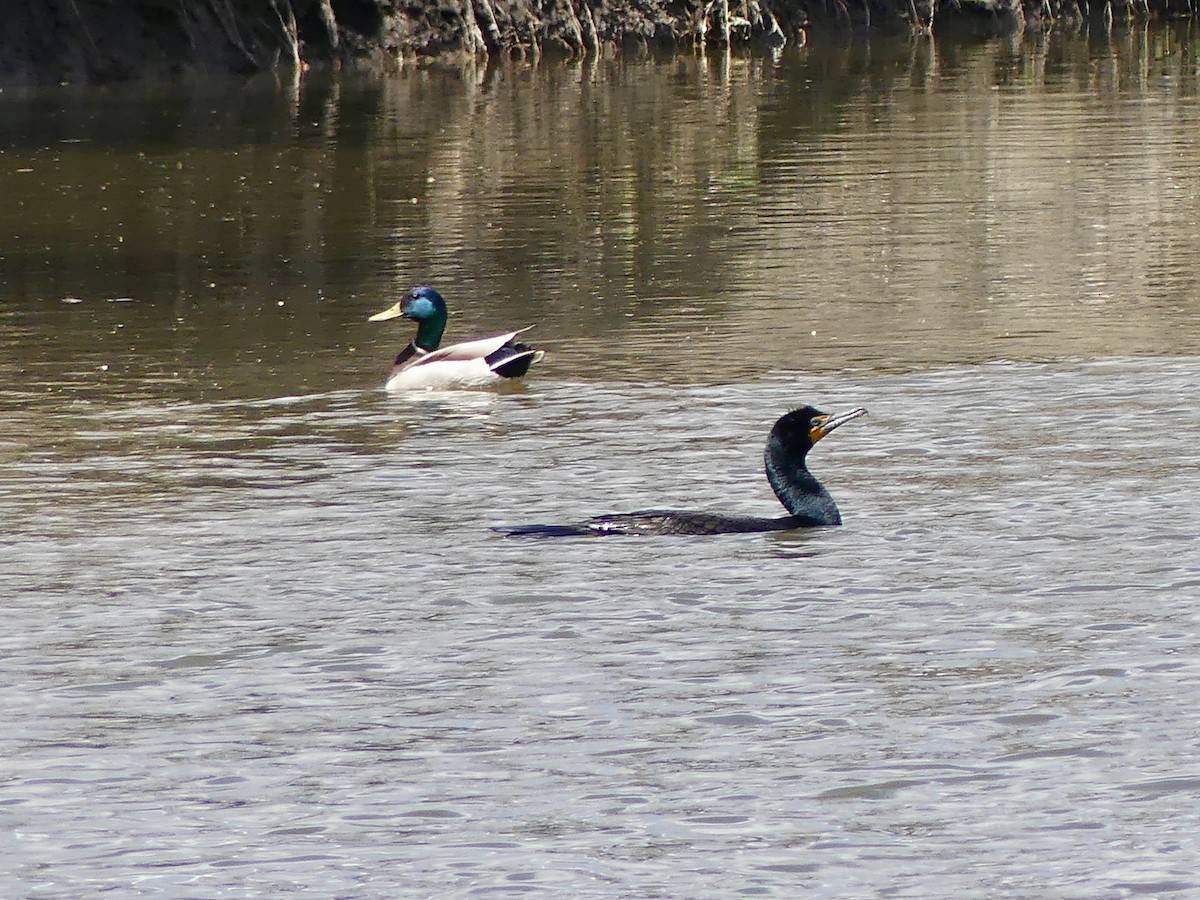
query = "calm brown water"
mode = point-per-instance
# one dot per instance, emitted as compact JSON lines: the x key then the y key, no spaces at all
{"x":261,"y":642}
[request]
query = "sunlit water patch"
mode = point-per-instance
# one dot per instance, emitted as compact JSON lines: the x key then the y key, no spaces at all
{"x":266,"y":660}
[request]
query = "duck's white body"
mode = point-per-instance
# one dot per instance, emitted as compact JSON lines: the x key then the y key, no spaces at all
{"x":462,"y":365}
{"x":423,"y":365}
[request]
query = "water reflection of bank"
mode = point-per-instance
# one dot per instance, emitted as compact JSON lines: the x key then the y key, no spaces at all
{"x":908,"y":203}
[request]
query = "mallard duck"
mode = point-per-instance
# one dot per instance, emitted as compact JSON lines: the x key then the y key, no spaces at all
{"x":806,"y":500}
{"x":487,"y":361}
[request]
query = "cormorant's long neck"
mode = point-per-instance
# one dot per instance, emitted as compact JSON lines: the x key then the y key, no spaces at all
{"x":797,"y":489}
{"x":429,"y":333}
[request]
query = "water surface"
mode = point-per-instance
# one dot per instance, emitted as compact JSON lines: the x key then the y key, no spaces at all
{"x":261,"y":640}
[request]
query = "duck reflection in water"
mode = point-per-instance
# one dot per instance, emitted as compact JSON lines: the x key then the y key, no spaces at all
{"x":802,"y":495}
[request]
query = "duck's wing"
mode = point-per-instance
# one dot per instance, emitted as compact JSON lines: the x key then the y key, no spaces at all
{"x":469,"y":350}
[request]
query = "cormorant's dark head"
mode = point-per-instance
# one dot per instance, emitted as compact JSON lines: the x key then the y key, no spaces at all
{"x":791,"y":439}
{"x":797,"y":431}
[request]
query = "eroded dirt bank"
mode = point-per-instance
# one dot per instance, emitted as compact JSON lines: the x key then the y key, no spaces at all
{"x":78,"y":41}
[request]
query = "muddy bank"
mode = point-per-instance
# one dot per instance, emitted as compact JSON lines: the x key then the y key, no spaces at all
{"x":96,"y":41}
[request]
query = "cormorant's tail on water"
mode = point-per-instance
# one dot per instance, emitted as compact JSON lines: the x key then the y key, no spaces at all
{"x":542,"y":530}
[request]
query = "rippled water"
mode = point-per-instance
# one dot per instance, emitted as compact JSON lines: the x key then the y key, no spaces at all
{"x":261,"y":641}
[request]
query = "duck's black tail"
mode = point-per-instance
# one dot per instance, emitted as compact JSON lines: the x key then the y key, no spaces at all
{"x":513,"y":360}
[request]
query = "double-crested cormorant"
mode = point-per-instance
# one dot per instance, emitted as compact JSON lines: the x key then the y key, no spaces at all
{"x":805,"y":498}
{"x":480,"y":363}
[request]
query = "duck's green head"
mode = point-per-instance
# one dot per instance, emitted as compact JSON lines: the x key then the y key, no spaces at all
{"x":424,"y":306}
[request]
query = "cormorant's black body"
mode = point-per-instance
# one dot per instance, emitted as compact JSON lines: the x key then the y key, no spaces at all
{"x":662,"y":521}
{"x":805,"y":498}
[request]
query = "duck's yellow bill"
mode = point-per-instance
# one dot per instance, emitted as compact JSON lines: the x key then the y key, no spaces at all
{"x":392,"y":312}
